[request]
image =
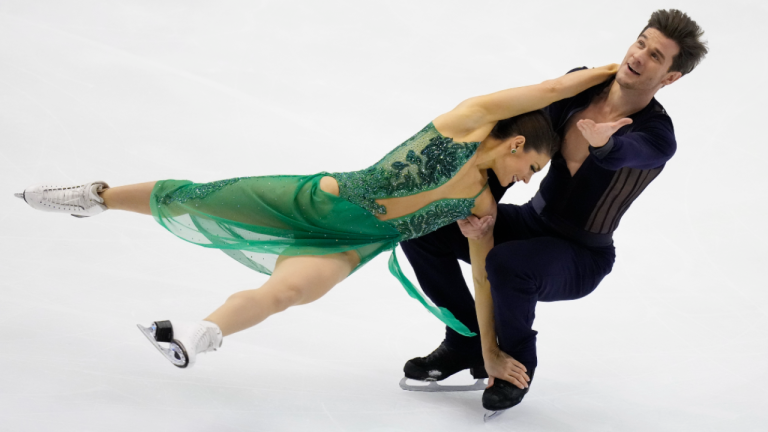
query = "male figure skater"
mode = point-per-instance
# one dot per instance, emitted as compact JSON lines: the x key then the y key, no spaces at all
{"x":559,"y":245}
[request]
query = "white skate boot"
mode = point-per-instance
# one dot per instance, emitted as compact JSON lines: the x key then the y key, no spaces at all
{"x":79,"y":201}
{"x":183,"y":340}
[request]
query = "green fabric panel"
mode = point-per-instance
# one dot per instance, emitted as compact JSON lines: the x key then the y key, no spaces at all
{"x":255,"y":219}
{"x":283,"y":215}
{"x":442,"y":314}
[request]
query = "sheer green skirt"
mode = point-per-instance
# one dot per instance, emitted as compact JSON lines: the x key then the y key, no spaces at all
{"x":256,"y":219}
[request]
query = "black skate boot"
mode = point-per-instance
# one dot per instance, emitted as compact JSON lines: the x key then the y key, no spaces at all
{"x":502,"y":396}
{"x":439,"y":365}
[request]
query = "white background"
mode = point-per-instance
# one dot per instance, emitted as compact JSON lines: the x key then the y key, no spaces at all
{"x":675,"y":339}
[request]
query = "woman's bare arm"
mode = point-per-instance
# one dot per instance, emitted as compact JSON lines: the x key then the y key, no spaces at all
{"x":484,"y":111}
{"x":497,"y":363}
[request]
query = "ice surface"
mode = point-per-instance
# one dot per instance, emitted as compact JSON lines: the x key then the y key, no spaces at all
{"x":675,"y":339}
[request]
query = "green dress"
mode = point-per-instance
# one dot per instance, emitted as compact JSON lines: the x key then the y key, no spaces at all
{"x":255,"y":219}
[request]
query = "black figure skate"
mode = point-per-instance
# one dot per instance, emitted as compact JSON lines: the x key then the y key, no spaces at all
{"x":439,"y":365}
{"x":502,"y":396}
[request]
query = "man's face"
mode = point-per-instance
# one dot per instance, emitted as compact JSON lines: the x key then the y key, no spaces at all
{"x":647,"y":61}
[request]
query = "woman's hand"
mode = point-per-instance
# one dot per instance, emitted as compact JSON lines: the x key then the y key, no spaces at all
{"x":500,"y":365}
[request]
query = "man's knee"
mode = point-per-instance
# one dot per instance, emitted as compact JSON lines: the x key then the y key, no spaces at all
{"x":511,"y":270}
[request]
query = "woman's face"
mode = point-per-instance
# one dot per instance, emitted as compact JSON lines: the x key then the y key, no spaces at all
{"x":518,"y":166}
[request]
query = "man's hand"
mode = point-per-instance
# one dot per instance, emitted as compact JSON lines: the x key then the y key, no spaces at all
{"x":476,"y":228}
{"x":598,"y":134}
{"x":501,"y":365}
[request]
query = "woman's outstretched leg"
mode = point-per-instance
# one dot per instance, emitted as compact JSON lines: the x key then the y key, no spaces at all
{"x":133,"y":198}
{"x":88,"y":199}
{"x":295,"y":281}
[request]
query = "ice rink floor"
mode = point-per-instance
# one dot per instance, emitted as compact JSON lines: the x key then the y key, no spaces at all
{"x":675,"y":339}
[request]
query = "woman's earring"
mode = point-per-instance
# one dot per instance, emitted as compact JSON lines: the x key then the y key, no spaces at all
{"x":514,"y":151}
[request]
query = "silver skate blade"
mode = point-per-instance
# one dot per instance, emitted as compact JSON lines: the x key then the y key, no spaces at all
{"x":433,"y":386}
{"x":81,"y":216}
{"x":19,"y":195}
{"x":173,"y":353}
{"x":490,"y":415}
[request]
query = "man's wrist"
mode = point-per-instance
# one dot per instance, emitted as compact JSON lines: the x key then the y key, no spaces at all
{"x":602,"y":151}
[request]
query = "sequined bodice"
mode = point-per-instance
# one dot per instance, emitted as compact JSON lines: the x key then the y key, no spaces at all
{"x":425,"y":161}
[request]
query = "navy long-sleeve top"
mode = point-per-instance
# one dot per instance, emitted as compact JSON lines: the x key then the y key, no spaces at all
{"x":589,"y":205}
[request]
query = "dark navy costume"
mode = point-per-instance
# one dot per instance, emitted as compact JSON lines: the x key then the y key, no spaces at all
{"x":559,"y":245}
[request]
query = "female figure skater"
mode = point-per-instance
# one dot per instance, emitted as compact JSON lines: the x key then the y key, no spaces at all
{"x":311,"y":232}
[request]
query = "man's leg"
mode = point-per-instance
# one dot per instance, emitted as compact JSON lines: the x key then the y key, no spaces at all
{"x":525,"y":272}
{"x":539,"y":269}
{"x":434,"y":260}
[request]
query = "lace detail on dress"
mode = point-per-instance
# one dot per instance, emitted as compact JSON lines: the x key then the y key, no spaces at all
{"x":432,"y":216}
{"x":200,"y":191}
{"x":425,"y":161}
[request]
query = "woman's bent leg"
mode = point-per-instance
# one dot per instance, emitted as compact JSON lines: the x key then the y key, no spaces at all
{"x":295,"y":281}
{"x":133,"y":198}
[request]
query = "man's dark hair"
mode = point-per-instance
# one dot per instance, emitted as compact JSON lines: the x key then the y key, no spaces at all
{"x":679,"y":27}
{"x":537,"y":129}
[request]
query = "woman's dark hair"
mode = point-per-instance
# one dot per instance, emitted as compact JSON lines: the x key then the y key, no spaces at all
{"x":537,"y":129}
{"x":679,"y":27}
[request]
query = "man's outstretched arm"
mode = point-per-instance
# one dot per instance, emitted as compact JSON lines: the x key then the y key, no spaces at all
{"x":648,"y":146}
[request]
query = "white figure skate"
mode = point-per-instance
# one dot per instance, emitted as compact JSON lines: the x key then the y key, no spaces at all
{"x":79,"y":201}
{"x":183,"y":340}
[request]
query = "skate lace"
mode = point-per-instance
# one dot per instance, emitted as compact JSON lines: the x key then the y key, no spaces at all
{"x":74,"y":196}
{"x":447,"y":356}
{"x":204,"y":340}
{"x":438,"y":353}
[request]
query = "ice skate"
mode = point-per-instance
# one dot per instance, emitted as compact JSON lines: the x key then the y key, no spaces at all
{"x":439,"y":365}
{"x":502,"y":396}
{"x":183,"y":340}
{"x":79,"y":201}
{"x":490,"y":415}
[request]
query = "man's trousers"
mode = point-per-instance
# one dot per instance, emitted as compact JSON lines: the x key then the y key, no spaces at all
{"x":530,"y":262}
